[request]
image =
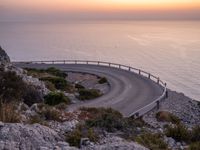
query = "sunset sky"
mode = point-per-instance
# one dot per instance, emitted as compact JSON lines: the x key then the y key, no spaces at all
{"x":122,"y":9}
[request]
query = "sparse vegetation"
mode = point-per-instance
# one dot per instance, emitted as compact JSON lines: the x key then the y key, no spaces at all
{"x":50,"y":113}
{"x":194,"y":146}
{"x":152,"y":141}
{"x":8,"y":113}
{"x":108,"y":119}
{"x":52,"y":71}
{"x":55,"y":98}
{"x":88,"y":94}
{"x":167,"y":116}
{"x":102,"y":80}
{"x":32,"y":96}
{"x":179,"y":132}
{"x":81,"y":131}
{"x":79,"y":86}
{"x":195,"y":134}
{"x":59,"y":82}
{"x":12,"y":87}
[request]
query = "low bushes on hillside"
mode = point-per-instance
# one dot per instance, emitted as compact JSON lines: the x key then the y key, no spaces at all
{"x":51,"y":71}
{"x":55,"y":98}
{"x":195,"y":134}
{"x":56,"y":72}
{"x":88,"y":94}
{"x":58,"y":82}
{"x":152,"y":141}
{"x":179,"y":132}
{"x":81,"y":131}
{"x":8,"y":113}
{"x":79,"y":86}
{"x":12,"y":87}
{"x":108,"y":119}
{"x":194,"y":146}
{"x":32,"y":96}
{"x":167,"y":116}
{"x":102,"y":80}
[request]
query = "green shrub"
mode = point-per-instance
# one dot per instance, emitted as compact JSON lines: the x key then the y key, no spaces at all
{"x":50,"y":86}
{"x":55,"y":98}
{"x":152,"y":141}
{"x":92,"y":135}
{"x":12,"y":87}
{"x":85,"y":94}
{"x":167,"y":116}
{"x":59,"y":83}
{"x":74,"y":138}
{"x":51,"y":70}
{"x":195,"y":134}
{"x":79,"y":86}
{"x":194,"y":146}
{"x":108,"y":119}
{"x":50,"y":113}
{"x":56,"y":72}
{"x":35,"y":119}
{"x":61,"y":106}
{"x":32,"y":96}
{"x":102,"y":80}
{"x":179,"y":132}
{"x":81,"y":131}
{"x":8,"y":113}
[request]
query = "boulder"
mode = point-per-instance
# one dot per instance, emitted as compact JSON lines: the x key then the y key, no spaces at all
{"x":4,"y":58}
{"x":26,"y":137}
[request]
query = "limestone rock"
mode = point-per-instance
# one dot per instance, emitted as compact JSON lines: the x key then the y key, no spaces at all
{"x":27,"y":137}
{"x":4,"y":58}
{"x":114,"y":143}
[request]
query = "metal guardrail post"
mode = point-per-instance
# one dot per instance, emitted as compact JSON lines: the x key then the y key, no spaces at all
{"x":149,"y":76}
{"x":158,"y":81}
{"x":158,"y":105}
{"x":139,"y":72}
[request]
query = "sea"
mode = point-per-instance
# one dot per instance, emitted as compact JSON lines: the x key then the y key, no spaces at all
{"x":168,"y":49}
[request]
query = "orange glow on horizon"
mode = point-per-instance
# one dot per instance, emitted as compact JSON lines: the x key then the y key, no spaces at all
{"x":103,"y":5}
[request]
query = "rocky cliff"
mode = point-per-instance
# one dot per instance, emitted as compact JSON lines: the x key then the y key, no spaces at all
{"x":4,"y":58}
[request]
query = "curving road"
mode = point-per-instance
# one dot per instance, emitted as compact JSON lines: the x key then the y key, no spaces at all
{"x":128,"y":91}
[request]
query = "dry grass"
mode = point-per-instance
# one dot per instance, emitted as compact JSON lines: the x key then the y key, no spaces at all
{"x":167,"y":116}
{"x":8,"y":113}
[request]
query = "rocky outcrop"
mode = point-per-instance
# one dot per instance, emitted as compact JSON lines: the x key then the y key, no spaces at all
{"x":186,"y":109}
{"x":111,"y":142}
{"x":30,"y":137}
{"x":183,"y":107}
{"x":4,"y":58}
{"x":6,"y":65}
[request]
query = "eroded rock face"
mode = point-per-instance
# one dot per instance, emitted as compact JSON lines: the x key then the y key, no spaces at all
{"x":4,"y":58}
{"x":114,"y":143}
{"x":28,"y":137}
{"x":6,"y":65}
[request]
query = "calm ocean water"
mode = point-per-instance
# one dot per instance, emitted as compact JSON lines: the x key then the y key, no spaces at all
{"x":170,"y":50}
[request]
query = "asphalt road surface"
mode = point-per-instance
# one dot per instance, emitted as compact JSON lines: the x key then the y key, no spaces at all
{"x":128,"y":91}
